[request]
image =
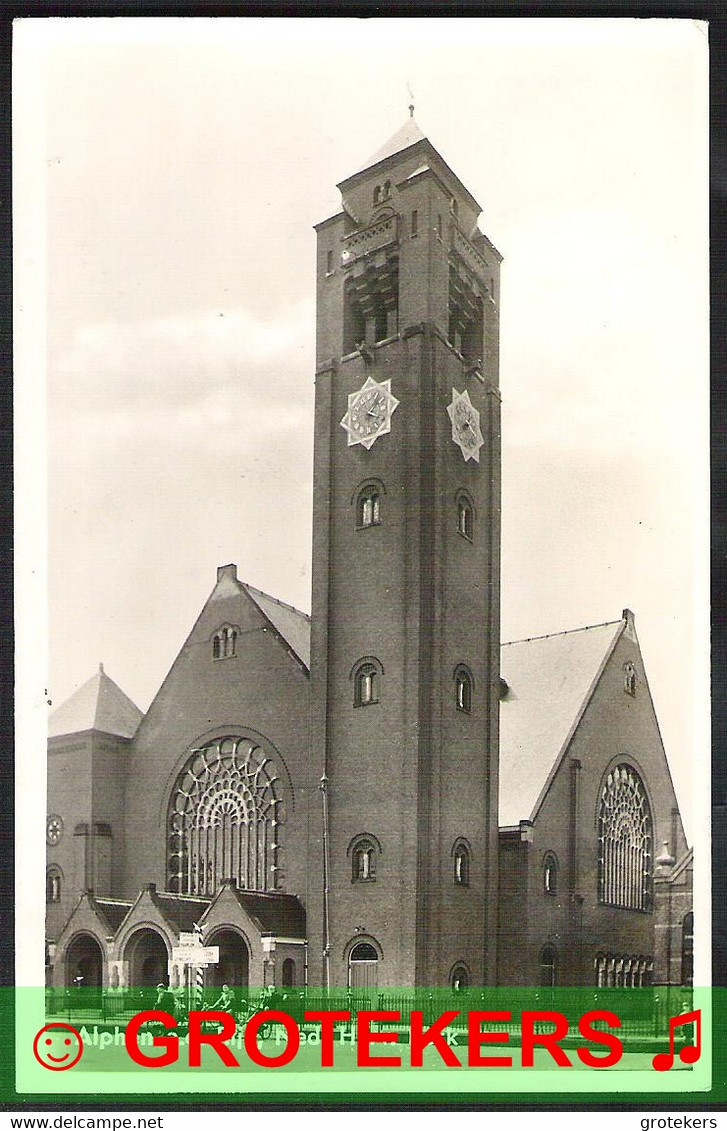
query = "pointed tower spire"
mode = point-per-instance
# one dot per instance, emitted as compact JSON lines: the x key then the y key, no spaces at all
{"x":406,"y":135}
{"x":99,"y":704}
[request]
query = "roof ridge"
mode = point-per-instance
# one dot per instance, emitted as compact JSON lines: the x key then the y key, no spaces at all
{"x":269,"y":894}
{"x":176,"y":895}
{"x":283,"y":604}
{"x":563,"y":632}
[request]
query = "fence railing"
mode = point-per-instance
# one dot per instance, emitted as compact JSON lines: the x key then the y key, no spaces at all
{"x":643,"y":1013}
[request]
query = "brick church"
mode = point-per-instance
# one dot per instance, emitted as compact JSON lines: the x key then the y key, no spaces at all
{"x":383,"y":793}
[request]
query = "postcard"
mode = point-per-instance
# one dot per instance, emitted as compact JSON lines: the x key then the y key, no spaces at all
{"x":362,"y":418}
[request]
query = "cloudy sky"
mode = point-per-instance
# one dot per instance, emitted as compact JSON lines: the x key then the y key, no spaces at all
{"x":174,"y":170}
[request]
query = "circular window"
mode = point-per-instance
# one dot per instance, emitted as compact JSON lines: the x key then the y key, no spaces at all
{"x":53,"y":829}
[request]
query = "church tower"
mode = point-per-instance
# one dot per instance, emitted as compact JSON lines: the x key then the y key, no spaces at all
{"x":406,"y":545}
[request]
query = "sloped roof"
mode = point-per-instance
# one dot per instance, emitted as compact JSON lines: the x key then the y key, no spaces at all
{"x":549,"y":678}
{"x":114,"y":911}
{"x":407,"y":135}
{"x":274,"y":913}
{"x":292,"y":625}
{"x":99,"y":704}
{"x":180,"y":910}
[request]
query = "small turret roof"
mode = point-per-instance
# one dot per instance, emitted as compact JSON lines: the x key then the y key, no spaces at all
{"x":407,"y":135}
{"x":99,"y":704}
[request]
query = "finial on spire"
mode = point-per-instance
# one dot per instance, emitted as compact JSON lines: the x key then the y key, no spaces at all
{"x":411,"y":104}
{"x":100,"y":668}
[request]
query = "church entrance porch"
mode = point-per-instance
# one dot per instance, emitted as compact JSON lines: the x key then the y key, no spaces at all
{"x":148,"y":958}
{"x":233,"y":968}
{"x":84,"y":962}
{"x":84,"y":967}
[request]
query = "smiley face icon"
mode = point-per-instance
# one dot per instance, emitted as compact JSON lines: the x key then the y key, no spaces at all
{"x":58,"y":1046}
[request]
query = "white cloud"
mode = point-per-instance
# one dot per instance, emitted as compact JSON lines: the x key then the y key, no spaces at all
{"x":178,"y":390}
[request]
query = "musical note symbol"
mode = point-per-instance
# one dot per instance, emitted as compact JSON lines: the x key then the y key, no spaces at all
{"x":690,"y":1053}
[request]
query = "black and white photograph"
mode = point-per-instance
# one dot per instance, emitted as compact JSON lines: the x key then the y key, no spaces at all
{"x":362,"y":467}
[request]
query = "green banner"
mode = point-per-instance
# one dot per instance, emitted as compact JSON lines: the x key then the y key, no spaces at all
{"x":447,"y":1045}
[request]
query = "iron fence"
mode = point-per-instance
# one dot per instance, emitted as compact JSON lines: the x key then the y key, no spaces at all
{"x":643,"y":1013}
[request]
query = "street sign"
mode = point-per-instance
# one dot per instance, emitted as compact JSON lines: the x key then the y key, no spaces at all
{"x":196,"y":955}
{"x":189,"y":938}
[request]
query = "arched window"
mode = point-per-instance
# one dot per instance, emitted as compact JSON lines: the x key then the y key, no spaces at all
{"x":368,"y":507}
{"x":53,"y":885}
{"x":600,"y":964}
{"x":548,"y":966}
{"x":688,"y":949}
{"x":624,"y":971}
{"x":366,"y":685}
{"x":364,"y":851}
{"x":288,"y":972}
{"x":550,"y":874}
{"x":224,"y":642}
{"x":463,"y":689}
{"x":465,"y":516}
{"x":459,"y":979}
{"x":363,"y":862}
{"x":224,"y":818}
{"x":629,"y":678}
{"x":461,"y":858}
{"x":624,"y":841}
{"x":382,"y":193}
{"x":366,"y":677}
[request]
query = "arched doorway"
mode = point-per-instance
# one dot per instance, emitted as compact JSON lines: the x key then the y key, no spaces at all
{"x":148,"y":958}
{"x":84,"y":962}
{"x":459,"y":979}
{"x":84,"y":971}
{"x":233,"y":969}
{"x":363,"y":964}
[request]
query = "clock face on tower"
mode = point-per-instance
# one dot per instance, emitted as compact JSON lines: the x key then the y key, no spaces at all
{"x":53,"y":829}
{"x":466,"y":431}
{"x":369,"y":412}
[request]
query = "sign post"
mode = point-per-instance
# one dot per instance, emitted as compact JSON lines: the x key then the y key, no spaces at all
{"x":194,"y":958}
{"x":196,"y":955}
